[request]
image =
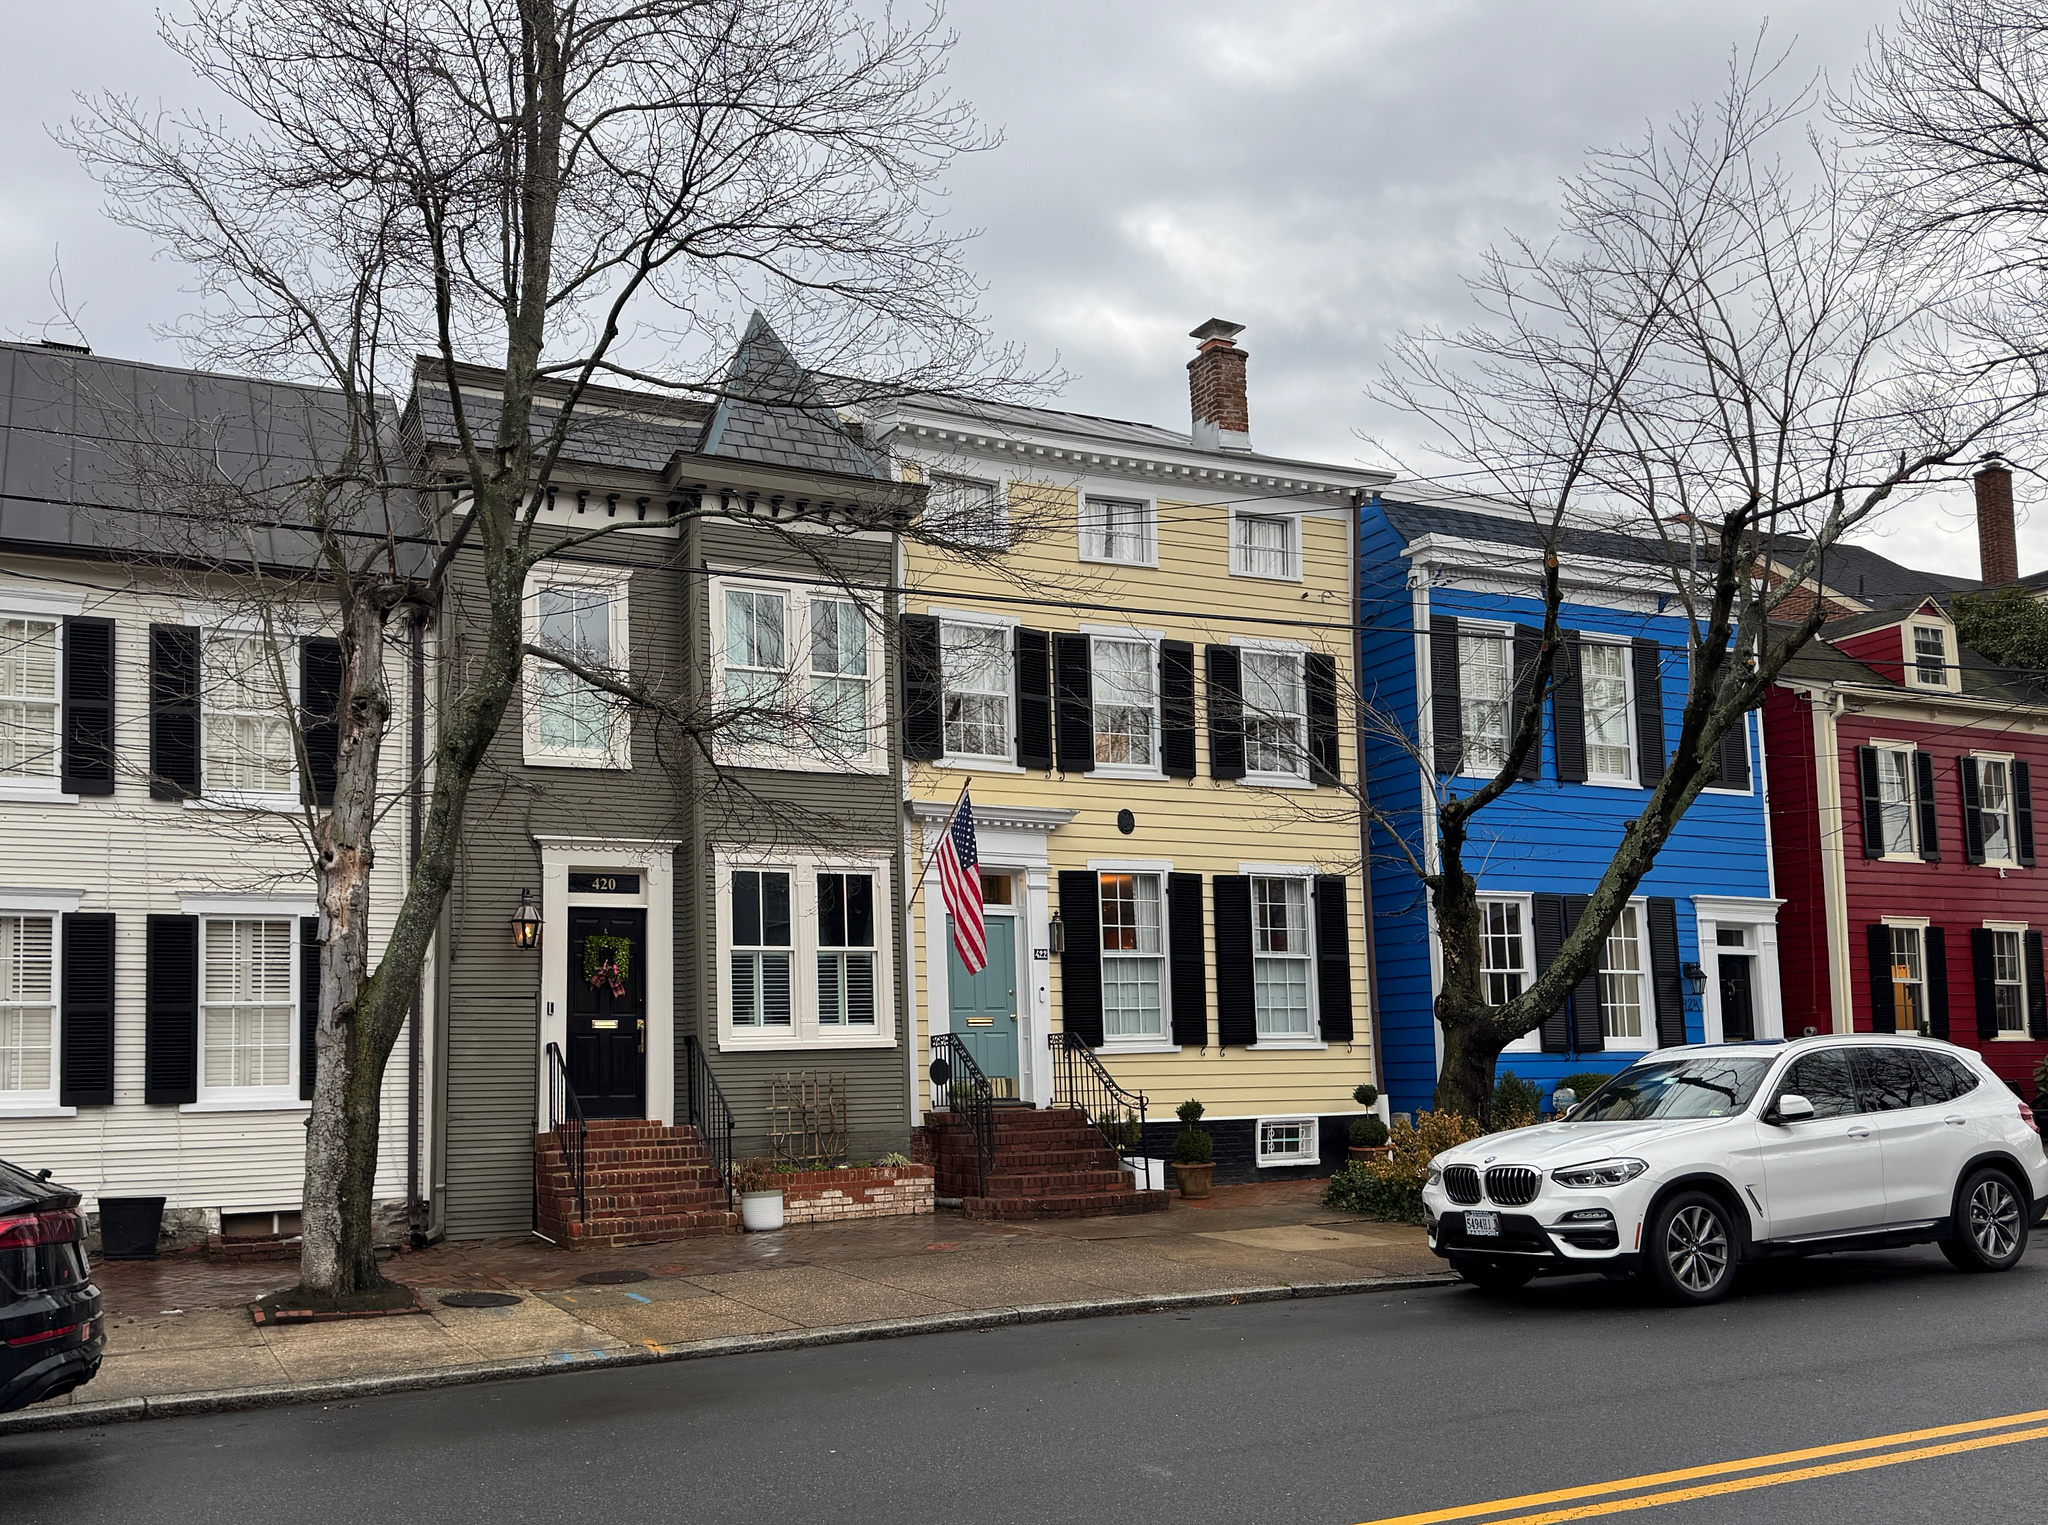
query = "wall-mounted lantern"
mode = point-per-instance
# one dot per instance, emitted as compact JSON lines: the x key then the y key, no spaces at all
{"x":526,"y":922}
{"x":1056,"y":934}
{"x":1695,"y":980}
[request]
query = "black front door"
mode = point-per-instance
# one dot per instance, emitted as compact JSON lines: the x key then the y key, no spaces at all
{"x":608,"y":1027}
{"x":1738,"y":1004}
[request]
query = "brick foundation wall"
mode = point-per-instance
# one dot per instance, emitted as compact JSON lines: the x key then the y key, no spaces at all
{"x":829,"y":1196}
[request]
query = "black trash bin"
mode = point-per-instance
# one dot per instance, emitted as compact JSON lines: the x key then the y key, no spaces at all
{"x":129,"y":1227}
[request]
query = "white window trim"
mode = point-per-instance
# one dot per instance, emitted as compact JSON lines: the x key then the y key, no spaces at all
{"x":1912,"y":798}
{"x":1163,"y":1044}
{"x":1150,"y":505}
{"x":796,"y":635}
{"x":2025,"y":1033}
{"x":56,"y":906}
{"x":1632,"y":780}
{"x":616,"y":582}
{"x":1134,"y":636}
{"x":27,"y":604}
{"x":286,"y":634}
{"x":1258,"y":779}
{"x":1492,"y":630}
{"x":1950,"y":671}
{"x":1292,"y":519}
{"x":805,"y":1033}
{"x":978,"y":761}
{"x":2011,"y":860}
{"x":1647,"y":993}
{"x":1313,"y":1039}
{"x":278,"y":1098}
{"x":1000,"y":501}
{"x":1528,"y":1043}
{"x":1315,"y":1134}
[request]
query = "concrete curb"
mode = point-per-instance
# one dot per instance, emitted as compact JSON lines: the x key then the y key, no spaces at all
{"x":118,"y":1410}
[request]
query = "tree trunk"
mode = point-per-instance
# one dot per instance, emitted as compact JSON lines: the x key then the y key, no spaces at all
{"x":1464,"y":1078}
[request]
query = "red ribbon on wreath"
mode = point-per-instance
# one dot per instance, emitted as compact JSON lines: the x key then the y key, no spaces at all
{"x":608,"y":974}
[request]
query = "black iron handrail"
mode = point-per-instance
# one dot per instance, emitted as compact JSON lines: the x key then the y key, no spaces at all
{"x":710,"y":1112}
{"x":1080,"y":1081}
{"x":969,"y":1093}
{"x":565,"y":1122}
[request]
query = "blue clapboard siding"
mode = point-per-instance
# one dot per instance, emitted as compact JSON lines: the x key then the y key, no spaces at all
{"x":1541,"y":836}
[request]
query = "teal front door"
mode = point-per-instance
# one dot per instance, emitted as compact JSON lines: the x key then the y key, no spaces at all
{"x":984,"y":1005}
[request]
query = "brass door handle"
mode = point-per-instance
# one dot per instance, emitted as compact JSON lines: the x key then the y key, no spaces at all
{"x":642,"y":1026}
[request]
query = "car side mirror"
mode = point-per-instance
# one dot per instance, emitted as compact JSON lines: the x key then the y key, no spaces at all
{"x":1562,"y":1100}
{"x":1791,"y":1108}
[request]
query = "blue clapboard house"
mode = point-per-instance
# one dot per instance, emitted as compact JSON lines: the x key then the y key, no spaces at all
{"x":1450,"y":609}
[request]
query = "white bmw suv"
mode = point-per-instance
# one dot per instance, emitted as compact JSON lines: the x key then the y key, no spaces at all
{"x":1694,"y":1160}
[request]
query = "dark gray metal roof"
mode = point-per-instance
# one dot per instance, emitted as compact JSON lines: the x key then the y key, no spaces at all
{"x":613,"y":429}
{"x":1858,"y":572}
{"x":770,"y":411}
{"x":1412,"y":521}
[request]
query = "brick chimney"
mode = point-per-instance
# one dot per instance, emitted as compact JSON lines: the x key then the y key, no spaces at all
{"x":1216,"y":393}
{"x":1997,"y":550}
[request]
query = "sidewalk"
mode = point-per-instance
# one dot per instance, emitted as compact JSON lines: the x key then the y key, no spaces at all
{"x":179,"y":1336}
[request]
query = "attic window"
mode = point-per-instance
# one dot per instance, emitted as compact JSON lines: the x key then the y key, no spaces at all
{"x":1930,"y":656}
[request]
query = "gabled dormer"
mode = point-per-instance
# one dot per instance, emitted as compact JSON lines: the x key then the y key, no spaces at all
{"x":1912,"y":645}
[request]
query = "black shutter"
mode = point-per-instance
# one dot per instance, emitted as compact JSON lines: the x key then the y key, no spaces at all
{"x":88,"y":764}
{"x":88,"y":1041}
{"x":170,"y":999}
{"x":319,"y":707}
{"x":1568,"y":712}
{"x":1177,"y":709}
{"x":1935,"y":941}
{"x":1649,"y":711}
{"x":1190,"y":962}
{"x":1237,"y":1017}
{"x":1872,"y":800}
{"x":1074,"y":702}
{"x":1333,"y":957}
{"x":309,"y":1003}
{"x":1923,"y":804}
{"x":1319,"y":680}
{"x":1984,"y":967}
{"x":1732,"y":755}
{"x":1528,"y":642}
{"x":1081,"y":963}
{"x":1589,"y":1031}
{"x":173,"y":712}
{"x":1665,"y":977}
{"x":2023,"y":810}
{"x":1547,"y":912}
{"x":1034,"y":699}
{"x":924,"y":688}
{"x":1446,"y":695}
{"x":2037,"y":990}
{"x":1226,"y":712}
{"x":1973,"y":806}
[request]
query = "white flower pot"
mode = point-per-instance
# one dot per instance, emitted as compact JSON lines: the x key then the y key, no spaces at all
{"x":760,"y":1210}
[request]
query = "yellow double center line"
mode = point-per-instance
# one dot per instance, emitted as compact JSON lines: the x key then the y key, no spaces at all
{"x":1768,"y":1472}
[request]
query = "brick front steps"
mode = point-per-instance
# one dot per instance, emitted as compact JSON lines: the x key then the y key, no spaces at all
{"x":1046,"y":1164}
{"x":642,"y":1183}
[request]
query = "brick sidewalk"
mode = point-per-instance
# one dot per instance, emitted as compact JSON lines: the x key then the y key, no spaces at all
{"x":180,"y":1325}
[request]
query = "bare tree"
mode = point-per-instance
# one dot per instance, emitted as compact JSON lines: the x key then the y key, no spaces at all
{"x":564,"y":192}
{"x":1724,"y":356}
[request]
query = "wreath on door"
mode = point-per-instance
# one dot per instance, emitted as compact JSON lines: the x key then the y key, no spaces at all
{"x":607,"y":961}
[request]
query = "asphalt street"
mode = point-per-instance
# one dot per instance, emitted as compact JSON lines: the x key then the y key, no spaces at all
{"x":1342,"y":1409}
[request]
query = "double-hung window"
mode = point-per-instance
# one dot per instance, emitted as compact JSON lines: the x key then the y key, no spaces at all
{"x":1263,"y":545}
{"x":1909,"y":979}
{"x":966,"y":511}
{"x":1621,"y":977}
{"x":244,"y":715}
{"x":1133,"y":956}
{"x":1504,"y":961}
{"x":839,"y":677}
{"x":2009,"y":982}
{"x":28,"y":1009}
{"x":1280,"y":957}
{"x":1275,"y":714}
{"x":246,"y":1008}
{"x":1603,"y":670}
{"x":975,"y":663}
{"x":1117,"y":529}
{"x":761,"y":949}
{"x":1126,"y":702}
{"x":846,"y":950}
{"x":796,"y":677}
{"x":1895,"y":801}
{"x":1930,"y":656}
{"x":28,"y":698}
{"x":757,"y":664}
{"x":572,"y":723}
{"x":1994,"y":808}
{"x":1483,"y":685}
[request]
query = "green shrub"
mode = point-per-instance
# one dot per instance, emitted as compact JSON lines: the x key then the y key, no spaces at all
{"x":1586,"y":1082}
{"x":1392,"y":1189}
{"x":1189,"y":1112}
{"x":1366,"y":1096}
{"x":1193,"y":1146}
{"x":1361,"y":1188}
{"x":1515,"y":1101}
{"x":1368,"y":1132}
{"x":1125,"y":1132}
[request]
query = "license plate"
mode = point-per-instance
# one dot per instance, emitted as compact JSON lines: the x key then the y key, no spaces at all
{"x":1483,"y":1225}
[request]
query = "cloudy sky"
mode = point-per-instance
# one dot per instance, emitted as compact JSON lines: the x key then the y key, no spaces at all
{"x":1322,"y":171}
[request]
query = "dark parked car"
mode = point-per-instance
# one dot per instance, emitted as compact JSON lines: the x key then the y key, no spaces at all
{"x":51,"y":1335}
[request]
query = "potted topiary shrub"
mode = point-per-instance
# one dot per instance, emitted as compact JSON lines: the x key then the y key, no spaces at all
{"x":760,"y":1195}
{"x":1194,"y":1152}
{"x":1369,"y":1133}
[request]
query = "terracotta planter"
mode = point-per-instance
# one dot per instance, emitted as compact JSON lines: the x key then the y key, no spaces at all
{"x":1193,"y":1179}
{"x":1372,"y":1151}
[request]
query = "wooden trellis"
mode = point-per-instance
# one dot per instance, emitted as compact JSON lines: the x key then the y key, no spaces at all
{"x":807,"y":1119}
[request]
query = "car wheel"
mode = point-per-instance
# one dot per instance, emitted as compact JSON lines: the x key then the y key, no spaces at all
{"x":1492,"y":1276}
{"x":1690,"y":1249}
{"x":1990,"y":1231}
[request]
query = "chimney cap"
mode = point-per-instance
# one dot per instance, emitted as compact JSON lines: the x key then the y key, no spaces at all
{"x":1217,"y":328}
{"x":1993,"y":461}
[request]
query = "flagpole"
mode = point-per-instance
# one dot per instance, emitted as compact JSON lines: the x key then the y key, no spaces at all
{"x":932,"y":856}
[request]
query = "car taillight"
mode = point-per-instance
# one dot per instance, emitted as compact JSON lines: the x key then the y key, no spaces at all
{"x":28,"y":1229}
{"x":2027,"y":1117}
{"x":45,"y":1335}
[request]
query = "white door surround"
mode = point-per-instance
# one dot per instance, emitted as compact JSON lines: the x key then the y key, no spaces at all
{"x":654,"y":861}
{"x":1760,"y":918}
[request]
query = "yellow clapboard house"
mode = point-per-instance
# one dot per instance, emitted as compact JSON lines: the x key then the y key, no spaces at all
{"x":1151,"y":694}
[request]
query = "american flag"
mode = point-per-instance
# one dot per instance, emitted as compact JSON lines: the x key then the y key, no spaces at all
{"x":960,"y":878}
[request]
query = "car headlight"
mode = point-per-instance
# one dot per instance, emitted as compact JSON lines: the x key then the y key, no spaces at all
{"x":1436,"y":1174}
{"x":1600,"y":1173}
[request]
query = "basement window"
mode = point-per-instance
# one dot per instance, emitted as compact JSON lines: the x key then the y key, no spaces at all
{"x":1287,"y":1141}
